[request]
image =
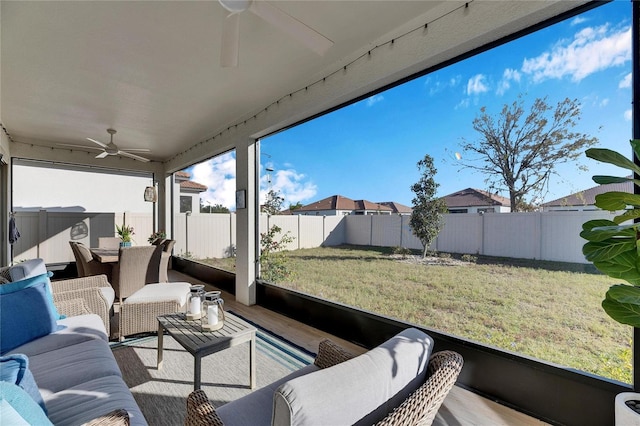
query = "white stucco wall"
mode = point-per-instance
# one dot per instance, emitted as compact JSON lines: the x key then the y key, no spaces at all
{"x":36,"y":188}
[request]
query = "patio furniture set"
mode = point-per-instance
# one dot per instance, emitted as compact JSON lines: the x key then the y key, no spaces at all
{"x":60,"y":370}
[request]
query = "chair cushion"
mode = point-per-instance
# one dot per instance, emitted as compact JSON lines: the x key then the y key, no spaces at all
{"x":362,"y":390}
{"x":27,"y":269}
{"x":15,"y":369}
{"x":18,"y":408}
{"x":109,"y":293}
{"x":26,"y":312}
{"x":161,"y":293}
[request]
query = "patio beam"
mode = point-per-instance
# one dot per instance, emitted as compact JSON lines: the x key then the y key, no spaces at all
{"x":247,"y":190}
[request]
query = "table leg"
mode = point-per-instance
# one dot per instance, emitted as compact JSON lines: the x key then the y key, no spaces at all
{"x":197,"y":365}
{"x":160,"y":344}
{"x":252,"y":361}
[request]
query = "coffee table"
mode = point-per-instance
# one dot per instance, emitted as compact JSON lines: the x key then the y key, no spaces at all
{"x":202,"y":343}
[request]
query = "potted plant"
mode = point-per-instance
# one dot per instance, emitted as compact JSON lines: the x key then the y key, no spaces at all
{"x":125,"y":232}
{"x":158,"y":235}
{"x":613,"y":246}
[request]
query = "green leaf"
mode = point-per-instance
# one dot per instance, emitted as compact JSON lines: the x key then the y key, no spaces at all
{"x":608,"y":249}
{"x":627,"y":215}
{"x":624,"y":266}
{"x":590,"y":224}
{"x":612,"y":157}
{"x":635,"y":145}
{"x":622,"y":303}
{"x":604,"y":180}
{"x":601,"y":233}
{"x":617,"y":200}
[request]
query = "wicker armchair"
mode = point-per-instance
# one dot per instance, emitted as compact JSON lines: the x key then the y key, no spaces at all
{"x":420,"y":408}
{"x":83,"y":295}
{"x":136,"y":267}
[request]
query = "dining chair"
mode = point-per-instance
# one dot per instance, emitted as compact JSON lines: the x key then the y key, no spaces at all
{"x":86,"y":264}
{"x":136,"y":267}
{"x":111,"y":243}
{"x":167,"y":247}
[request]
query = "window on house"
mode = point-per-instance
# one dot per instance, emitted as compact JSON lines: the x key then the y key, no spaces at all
{"x":186,"y":204}
{"x":458,"y":210}
{"x":487,"y":210}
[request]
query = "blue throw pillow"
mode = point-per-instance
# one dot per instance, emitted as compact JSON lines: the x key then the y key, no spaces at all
{"x":29,"y":281}
{"x":15,"y":369}
{"x":26,"y":312}
{"x":17,"y":407}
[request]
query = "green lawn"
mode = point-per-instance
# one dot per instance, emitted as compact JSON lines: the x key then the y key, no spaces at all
{"x":549,"y":311}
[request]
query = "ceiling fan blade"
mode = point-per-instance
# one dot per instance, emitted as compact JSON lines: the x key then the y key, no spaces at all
{"x":287,"y":23}
{"x":103,"y":154}
{"x":96,"y":142}
{"x":135,"y":149}
{"x":79,"y":146}
{"x":230,"y":40}
{"x":135,"y":157}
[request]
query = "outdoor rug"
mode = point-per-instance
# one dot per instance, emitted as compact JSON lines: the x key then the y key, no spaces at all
{"x":162,"y":394}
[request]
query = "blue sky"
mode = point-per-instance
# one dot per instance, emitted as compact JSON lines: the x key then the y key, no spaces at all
{"x":369,"y":150}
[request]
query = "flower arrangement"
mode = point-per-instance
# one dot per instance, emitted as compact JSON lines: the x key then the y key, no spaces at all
{"x":125,"y":232}
{"x":158,"y":235}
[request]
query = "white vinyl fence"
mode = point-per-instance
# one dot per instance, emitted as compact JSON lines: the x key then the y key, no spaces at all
{"x":544,"y":236}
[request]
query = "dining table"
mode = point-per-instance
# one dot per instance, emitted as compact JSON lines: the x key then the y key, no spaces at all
{"x":104,"y":255}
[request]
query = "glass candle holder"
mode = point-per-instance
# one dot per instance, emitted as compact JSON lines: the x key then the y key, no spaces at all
{"x":194,"y":302}
{"x":212,"y":311}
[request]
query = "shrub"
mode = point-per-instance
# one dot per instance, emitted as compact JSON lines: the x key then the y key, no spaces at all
{"x":469,"y":258}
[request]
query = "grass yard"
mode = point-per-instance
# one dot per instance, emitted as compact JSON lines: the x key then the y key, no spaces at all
{"x":549,"y":311}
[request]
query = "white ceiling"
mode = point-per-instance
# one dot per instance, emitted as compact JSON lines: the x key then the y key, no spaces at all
{"x":150,"y":69}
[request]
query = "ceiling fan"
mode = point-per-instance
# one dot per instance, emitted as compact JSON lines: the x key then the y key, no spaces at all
{"x":276,"y":17}
{"x":112,"y":149}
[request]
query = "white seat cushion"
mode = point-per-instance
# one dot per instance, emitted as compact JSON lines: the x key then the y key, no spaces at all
{"x":161,"y":293}
{"x":109,"y":293}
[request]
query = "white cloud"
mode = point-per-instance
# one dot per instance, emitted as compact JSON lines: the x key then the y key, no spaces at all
{"x":578,"y":20}
{"x":372,"y":100}
{"x":508,"y":76}
{"x":219,"y":175}
{"x":604,"y":102}
{"x":592,"y":49}
{"x":438,"y":86}
{"x":628,"y":115}
{"x":293,"y":186}
{"x":476,"y":85}
{"x":625,"y":83}
{"x":463,"y":104}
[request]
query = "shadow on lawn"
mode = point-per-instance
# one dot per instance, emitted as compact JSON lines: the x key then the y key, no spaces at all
{"x":370,"y":254}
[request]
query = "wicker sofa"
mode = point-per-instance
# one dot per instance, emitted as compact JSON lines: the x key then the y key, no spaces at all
{"x":68,"y":374}
{"x":396,"y":383}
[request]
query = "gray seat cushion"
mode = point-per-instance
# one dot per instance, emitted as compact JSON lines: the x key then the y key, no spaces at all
{"x":72,"y":365}
{"x":110,"y":294}
{"x":92,"y":399}
{"x":255,"y":409}
{"x":76,"y":330}
{"x":362,"y":390}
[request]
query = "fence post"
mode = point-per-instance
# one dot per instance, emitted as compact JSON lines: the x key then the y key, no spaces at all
{"x":42,"y":229}
{"x":401,"y":229}
{"x":299,"y":231}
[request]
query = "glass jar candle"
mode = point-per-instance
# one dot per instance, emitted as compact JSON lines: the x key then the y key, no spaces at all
{"x":212,"y":311}
{"x":194,"y":303}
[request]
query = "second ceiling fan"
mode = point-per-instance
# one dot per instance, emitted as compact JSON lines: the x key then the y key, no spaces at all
{"x":112,"y":149}
{"x":276,"y":17}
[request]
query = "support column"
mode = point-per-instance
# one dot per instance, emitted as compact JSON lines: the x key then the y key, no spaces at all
{"x":246,"y":222}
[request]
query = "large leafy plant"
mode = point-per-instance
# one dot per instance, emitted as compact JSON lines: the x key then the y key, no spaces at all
{"x":614,"y":245}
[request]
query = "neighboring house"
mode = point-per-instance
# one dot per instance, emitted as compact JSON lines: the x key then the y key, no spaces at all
{"x":472,"y":200}
{"x":397,"y":208}
{"x":337,"y":205}
{"x":585,"y":200}
{"x":189,"y":193}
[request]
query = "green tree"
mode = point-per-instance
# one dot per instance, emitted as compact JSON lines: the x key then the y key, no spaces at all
{"x":273,"y":261}
{"x":519,"y":151}
{"x":295,"y":206}
{"x":426,"y":217}
{"x":273,"y":204}
{"x":212,"y":208}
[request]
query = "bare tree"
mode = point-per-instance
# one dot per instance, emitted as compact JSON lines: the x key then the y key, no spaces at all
{"x":518,"y":152}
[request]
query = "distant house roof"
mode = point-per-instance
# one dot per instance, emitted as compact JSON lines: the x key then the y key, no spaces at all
{"x":588,"y":196}
{"x":471,"y":197}
{"x":338,"y":202}
{"x":186,"y":185}
{"x":396,"y":207}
